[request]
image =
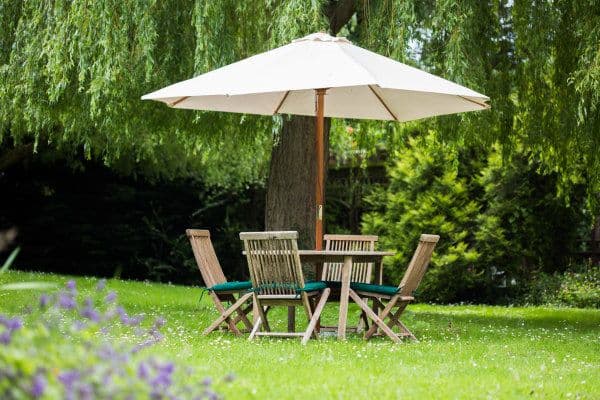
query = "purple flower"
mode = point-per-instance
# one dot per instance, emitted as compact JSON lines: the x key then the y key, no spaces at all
{"x":143,"y":371}
{"x":101,"y":285}
{"x":13,"y":324}
{"x":85,"y":392}
{"x":38,"y":385}
{"x":207,"y":381}
{"x":167,"y":368}
{"x":121,"y":311}
{"x":159,"y":322}
{"x":71,"y":285}
{"x":5,"y":337}
{"x":69,"y":378}
{"x":230,"y":377}
{"x":44,"y":301}
{"x":163,"y":378}
{"x":110,"y":297}
{"x":209,"y":394}
{"x":78,"y":325}
{"x":90,"y":313}
{"x":66,"y":301}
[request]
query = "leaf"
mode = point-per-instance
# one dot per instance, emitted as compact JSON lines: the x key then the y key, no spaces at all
{"x":10,"y":260}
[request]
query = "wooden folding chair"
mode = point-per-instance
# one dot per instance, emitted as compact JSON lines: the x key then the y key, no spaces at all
{"x":217,"y":285}
{"x":395,"y":297}
{"x":277,"y":280}
{"x":361,"y":272}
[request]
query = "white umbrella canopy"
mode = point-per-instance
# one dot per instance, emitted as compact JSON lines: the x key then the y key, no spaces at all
{"x":295,"y":78}
{"x":360,"y":84}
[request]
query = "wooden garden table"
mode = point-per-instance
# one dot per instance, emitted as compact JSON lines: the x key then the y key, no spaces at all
{"x":347,"y":258}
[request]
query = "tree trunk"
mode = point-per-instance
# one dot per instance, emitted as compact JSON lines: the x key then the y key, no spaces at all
{"x":290,"y":203}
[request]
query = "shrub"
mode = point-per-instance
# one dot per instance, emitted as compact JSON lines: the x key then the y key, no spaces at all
{"x":427,"y":194}
{"x":499,"y":220}
{"x":72,"y":348}
{"x":577,"y":287}
{"x":581,"y":288}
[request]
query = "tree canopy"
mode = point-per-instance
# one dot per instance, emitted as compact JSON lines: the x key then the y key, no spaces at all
{"x":72,"y":73}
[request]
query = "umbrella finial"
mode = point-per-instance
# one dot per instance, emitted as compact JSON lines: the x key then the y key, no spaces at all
{"x":322,"y":37}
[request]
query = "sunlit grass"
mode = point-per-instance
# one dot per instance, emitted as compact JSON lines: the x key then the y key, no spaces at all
{"x":463,"y":352}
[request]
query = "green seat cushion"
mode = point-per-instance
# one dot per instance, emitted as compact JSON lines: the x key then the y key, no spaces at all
{"x":333,"y":284}
{"x":369,"y":287}
{"x":313,"y":285}
{"x":228,"y":286}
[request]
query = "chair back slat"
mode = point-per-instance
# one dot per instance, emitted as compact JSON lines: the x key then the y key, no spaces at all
{"x":361,"y":272}
{"x":418,"y":264}
{"x":274,"y":262}
{"x":205,"y":256}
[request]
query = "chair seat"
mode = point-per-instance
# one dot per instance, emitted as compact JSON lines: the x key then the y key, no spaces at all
{"x":231,"y":286}
{"x":369,"y":287}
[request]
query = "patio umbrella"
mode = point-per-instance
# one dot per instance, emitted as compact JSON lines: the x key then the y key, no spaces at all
{"x":296,"y":78}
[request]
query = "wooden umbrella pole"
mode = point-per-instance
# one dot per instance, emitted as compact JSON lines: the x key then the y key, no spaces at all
{"x":320,"y":153}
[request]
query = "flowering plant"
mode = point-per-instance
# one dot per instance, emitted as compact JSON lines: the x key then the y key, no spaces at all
{"x":84,"y":348}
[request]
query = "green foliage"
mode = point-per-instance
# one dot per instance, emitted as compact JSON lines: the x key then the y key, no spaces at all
{"x":577,"y":287}
{"x":581,"y":288}
{"x":69,"y":347}
{"x":524,"y":223}
{"x":82,"y":67}
{"x":72,"y":74}
{"x":498,"y":221}
{"x":427,"y":194}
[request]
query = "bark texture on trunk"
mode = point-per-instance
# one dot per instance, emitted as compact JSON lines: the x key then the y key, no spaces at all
{"x":290,"y":203}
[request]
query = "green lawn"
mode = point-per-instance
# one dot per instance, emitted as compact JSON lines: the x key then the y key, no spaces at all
{"x":463,"y":352}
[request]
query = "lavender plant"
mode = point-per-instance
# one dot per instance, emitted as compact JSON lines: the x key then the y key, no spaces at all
{"x":79,"y":347}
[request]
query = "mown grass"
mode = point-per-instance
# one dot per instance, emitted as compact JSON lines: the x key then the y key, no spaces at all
{"x":463,"y":352}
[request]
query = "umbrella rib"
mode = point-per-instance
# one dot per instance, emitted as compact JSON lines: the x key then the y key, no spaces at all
{"x":484,"y":105}
{"x":173,"y":104}
{"x":281,"y":102}
{"x":383,"y":103}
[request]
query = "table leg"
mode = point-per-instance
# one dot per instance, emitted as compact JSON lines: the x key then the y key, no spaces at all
{"x":344,"y":294}
{"x":318,"y":277}
{"x":291,"y":319}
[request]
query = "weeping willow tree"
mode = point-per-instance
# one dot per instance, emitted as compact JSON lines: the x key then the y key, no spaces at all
{"x":72,"y":73}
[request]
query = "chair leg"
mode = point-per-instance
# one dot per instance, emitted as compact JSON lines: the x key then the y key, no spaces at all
{"x":395,"y":320}
{"x":315,"y":316}
{"x":382,"y":315}
{"x":262,"y":314}
{"x":225,"y":315}
{"x":377,"y":322}
{"x":242,"y":316}
{"x":221,"y":309}
{"x":255,"y":329}
{"x":363,"y":322}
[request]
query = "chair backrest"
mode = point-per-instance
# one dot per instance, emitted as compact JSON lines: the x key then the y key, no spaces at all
{"x":418,"y":264}
{"x":361,"y":272}
{"x":274,"y":262}
{"x":205,"y":256}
